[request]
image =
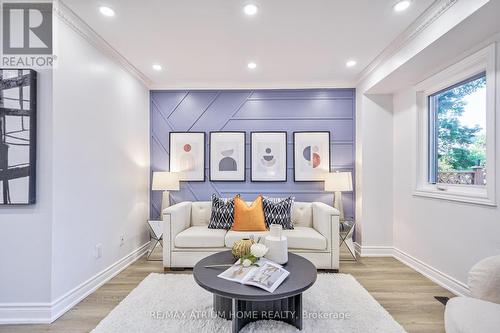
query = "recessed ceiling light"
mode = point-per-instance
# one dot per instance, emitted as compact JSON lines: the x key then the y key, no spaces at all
{"x":402,"y":5}
{"x":252,"y":65}
{"x":106,"y":11}
{"x":250,"y":9}
{"x":157,"y":67}
{"x":351,"y":63}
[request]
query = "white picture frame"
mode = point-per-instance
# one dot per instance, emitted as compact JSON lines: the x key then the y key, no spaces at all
{"x":187,"y":155}
{"x":227,"y":156}
{"x":268,"y":151}
{"x":311,"y":155}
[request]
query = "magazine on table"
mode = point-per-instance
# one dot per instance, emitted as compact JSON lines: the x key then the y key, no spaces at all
{"x":267,"y":275}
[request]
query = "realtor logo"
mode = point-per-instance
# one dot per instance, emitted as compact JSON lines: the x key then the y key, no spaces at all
{"x":27,"y":28}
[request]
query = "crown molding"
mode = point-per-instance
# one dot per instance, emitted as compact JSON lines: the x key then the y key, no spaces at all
{"x":253,"y":85}
{"x":429,"y":16}
{"x":71,"y":19}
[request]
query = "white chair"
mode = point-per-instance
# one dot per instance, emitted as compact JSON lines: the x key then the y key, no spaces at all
{"x":481,"y":311}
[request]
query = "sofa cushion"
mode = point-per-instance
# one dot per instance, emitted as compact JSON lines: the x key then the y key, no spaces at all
{"x":299,"y":238}
{"x":200,"y":212}
{"x":200,"y":236}
{"x":232,"y":236}
{"x":305,"y":238}
{"x":470,"y":315}
{"x":302,"y":214}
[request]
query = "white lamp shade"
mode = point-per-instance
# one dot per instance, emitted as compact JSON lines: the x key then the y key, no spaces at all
{"x":163,"y":181}
{"x":338,"y":182}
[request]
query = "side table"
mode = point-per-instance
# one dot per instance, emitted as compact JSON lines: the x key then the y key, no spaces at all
{"x":156,"y":235}
{"x":346,"y":231}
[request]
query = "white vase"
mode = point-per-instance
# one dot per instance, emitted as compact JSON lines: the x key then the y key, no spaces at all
{"x":277,"y":245}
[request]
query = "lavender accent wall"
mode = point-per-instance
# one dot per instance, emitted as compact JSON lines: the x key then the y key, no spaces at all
{"x":254,"y":110}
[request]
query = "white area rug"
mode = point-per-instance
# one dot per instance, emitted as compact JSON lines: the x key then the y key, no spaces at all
{"x":175,"y":303}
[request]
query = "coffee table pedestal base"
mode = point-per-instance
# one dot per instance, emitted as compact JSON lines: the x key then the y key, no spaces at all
{"x":288,"y":310}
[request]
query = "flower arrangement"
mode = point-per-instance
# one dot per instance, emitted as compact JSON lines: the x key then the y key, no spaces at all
{"x":257,"y":251}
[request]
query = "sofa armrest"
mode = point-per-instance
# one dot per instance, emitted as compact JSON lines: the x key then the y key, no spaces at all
{"x":176,"y":218}
{"x":326,"y":222}
{"x":325,"y":219}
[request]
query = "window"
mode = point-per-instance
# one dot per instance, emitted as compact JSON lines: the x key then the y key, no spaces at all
{"x":456,"y":131}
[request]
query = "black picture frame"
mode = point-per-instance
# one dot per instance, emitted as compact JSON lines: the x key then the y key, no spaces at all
{"x":210,"y":177}
{"x":8,"y":141}
{"x":294,"y":161}
{"x":286,"y":156}
{"x":170,"y":153}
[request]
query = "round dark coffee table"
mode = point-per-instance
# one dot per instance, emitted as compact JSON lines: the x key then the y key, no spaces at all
{"x":243,"y":304}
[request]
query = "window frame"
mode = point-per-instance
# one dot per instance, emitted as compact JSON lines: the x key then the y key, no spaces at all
{"x":482,"y":61}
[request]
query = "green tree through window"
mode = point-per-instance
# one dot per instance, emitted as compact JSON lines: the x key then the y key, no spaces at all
{"x":459,"y":145}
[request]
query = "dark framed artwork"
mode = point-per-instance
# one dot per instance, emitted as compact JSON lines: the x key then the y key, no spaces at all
{"x":268,"y":161}
{"x":227,"y":156}
{"x":311,"y":155}
{"x":187,"y":155}
{"x":17,"y":136}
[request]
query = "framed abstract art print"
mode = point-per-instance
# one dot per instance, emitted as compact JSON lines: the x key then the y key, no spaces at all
{"x":187,"y":155}
{"x":311,"y":155}
{"x":227,"y":156}
{"x":18,"y":136}
{"x":268,"y":156}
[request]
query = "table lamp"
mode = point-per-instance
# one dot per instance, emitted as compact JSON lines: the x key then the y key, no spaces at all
{"x":338,"y":182}
{"x":165,"y":181}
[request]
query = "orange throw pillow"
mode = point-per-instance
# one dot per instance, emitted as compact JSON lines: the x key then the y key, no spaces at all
{"x":249,"y":218}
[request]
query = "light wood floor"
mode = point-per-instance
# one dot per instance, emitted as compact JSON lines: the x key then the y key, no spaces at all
{"x":405,"y":294}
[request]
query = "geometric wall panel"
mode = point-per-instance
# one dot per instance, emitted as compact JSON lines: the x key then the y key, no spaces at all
{"x":253,"y":110}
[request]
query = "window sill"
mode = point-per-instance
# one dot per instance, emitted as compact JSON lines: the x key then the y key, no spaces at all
{"x":474,"y":197}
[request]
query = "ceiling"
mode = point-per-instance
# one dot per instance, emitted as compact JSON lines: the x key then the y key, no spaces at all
{"x":477,"y":31}
{"x":207,"y":44}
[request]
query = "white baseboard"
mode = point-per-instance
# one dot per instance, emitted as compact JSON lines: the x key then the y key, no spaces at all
{"x":25,"y":313}
{"x":451,"y":284}
{"x":373,"y":251}
{"x":45,"y":313}
{"x":73,"y":297}
{"x":433,"y":274}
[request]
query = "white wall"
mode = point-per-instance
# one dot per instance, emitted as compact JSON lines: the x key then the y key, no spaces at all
{"x":439,"y":238}
{"x":374,"y":123}
{"x":374,"y":190}
{"x":101,"y":162}
{"x":450,"y":237}
{"x":25,"y":231}
{"x":92,"y":184}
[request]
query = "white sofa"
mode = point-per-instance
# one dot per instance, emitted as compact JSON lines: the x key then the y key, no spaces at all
{"x":187,"y":239}
{"x":481,"y":311}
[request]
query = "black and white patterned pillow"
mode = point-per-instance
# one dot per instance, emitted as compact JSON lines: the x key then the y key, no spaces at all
{"x":278,"y":211}
{"x":222,"y":216}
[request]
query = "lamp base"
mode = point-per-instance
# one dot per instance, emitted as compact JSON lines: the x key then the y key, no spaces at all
{"x":337,"y":203}
{"x":165,"y":202}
